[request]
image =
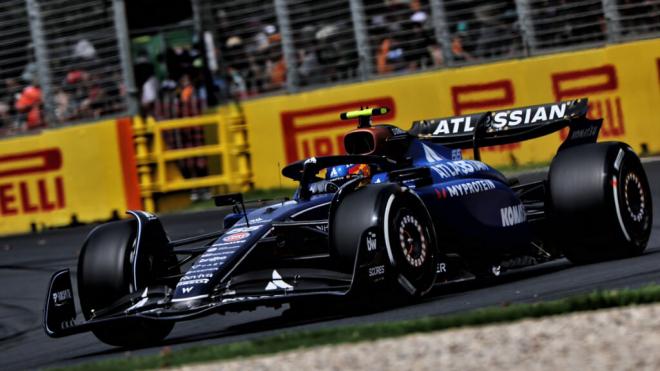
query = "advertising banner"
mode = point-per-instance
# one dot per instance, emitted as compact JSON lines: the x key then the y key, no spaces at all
{"x":80,"y":173}
{"x":621,"y":81}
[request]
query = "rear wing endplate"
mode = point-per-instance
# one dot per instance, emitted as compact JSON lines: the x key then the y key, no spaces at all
{"x":512,"y":125}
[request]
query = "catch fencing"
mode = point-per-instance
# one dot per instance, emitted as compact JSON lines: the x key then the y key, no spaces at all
{"x":292,"y":45}
{"x":68,"y":61}
{"x":63,"y":62}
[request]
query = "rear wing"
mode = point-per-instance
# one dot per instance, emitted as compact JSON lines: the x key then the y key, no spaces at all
{"x":512,"y":125}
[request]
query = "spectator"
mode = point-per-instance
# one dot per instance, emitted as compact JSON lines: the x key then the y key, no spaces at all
{"x":149,"y":95}
{"x":458,"y":39}
{"x":29,"y":103}
{"x":5,"y":118}
{"x":276,"y":68}
{"x":65,"y":110}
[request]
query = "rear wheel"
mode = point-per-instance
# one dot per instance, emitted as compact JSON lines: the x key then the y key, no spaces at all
{"x":105,"y":276}
{"x":600,"y":202}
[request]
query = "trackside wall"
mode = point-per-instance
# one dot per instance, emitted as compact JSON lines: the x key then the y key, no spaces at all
{"x":621,"y":81}
{"x":84,"y":173}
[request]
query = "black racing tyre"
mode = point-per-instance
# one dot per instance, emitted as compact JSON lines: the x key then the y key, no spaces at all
{"x":410,"y":242}
{"x":403,"y":226}
{"x":105,"y":276}
{"x":600,"y":202}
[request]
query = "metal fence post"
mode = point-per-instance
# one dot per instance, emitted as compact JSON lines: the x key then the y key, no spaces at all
{"x":361,"y":39}
{"x":613,"y":20}
{"x":441,"y":30}
{"x":124,"y":44}
{"x":197,"y":16}
{"x":288,"y":50}
{"x":42,"y":61}
{"x":526,"y":26}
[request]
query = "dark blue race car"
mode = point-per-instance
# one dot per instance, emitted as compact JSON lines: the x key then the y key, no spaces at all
{"x":400,"y":213}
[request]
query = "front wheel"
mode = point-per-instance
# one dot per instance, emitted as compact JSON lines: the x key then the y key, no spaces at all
{"x":104,"y":277}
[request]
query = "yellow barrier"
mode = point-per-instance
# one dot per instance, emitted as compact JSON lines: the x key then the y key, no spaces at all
{"x":621,"y":81}
{"x":80,"y":173}
{"x":218,"y":141}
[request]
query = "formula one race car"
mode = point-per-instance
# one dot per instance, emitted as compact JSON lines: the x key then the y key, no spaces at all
{"x":400,"y":213}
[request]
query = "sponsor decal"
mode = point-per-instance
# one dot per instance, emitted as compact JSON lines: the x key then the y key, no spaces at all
{"x":378,"y":270}
{"x":258,"y":220}
{"x":379,"y":178}
{"x":372,"y":241}
{"x":196,"y":268}
{"x":277,"y":283}
{"x":465,"y":189}
{"x":247,"y":298}
{"x":243,"y":229}
{"x":220,"y":253}
{"x":311,"y":160}
{"x":148,"y":215}
{"x":396,"y":131}
{"x":196,"y":276}
{"x":186,"y":290}
{"x":322,"y":227}
{"x":619,"y":158}
{"x":236,"y":237}
{"x":431,"y":155}
{"x":529,"y":115}
{"x":587,"y":132}
{"x":452,"y":169}
{"x":193,"y":282}
{"x":513,"y":215}
{"x":61,"y":297}
{"x":441,"y":268}
{"x":206,"y":265}
{"x":225,"y":246}
{"x":454,"y":126}
{"x":213,"y":259}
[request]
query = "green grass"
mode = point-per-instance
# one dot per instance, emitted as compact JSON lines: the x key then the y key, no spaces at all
{"x":289,"y":340}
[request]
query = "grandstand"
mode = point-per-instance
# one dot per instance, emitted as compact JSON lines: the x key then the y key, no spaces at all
{"x":64,"y":62}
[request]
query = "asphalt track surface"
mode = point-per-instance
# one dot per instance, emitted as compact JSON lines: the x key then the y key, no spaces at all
{"x":27,"y":262}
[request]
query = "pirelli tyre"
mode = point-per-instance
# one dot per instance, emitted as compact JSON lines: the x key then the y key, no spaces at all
{"x":104,"y":277}
{"x":403,"y":227}
{"x":600,"y":202}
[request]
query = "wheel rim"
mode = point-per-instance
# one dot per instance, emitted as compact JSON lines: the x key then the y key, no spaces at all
{"x":634,"y":198}
{"x":409,"y":241}
{"x":634,"y":201}
{"x":412,"y":241}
